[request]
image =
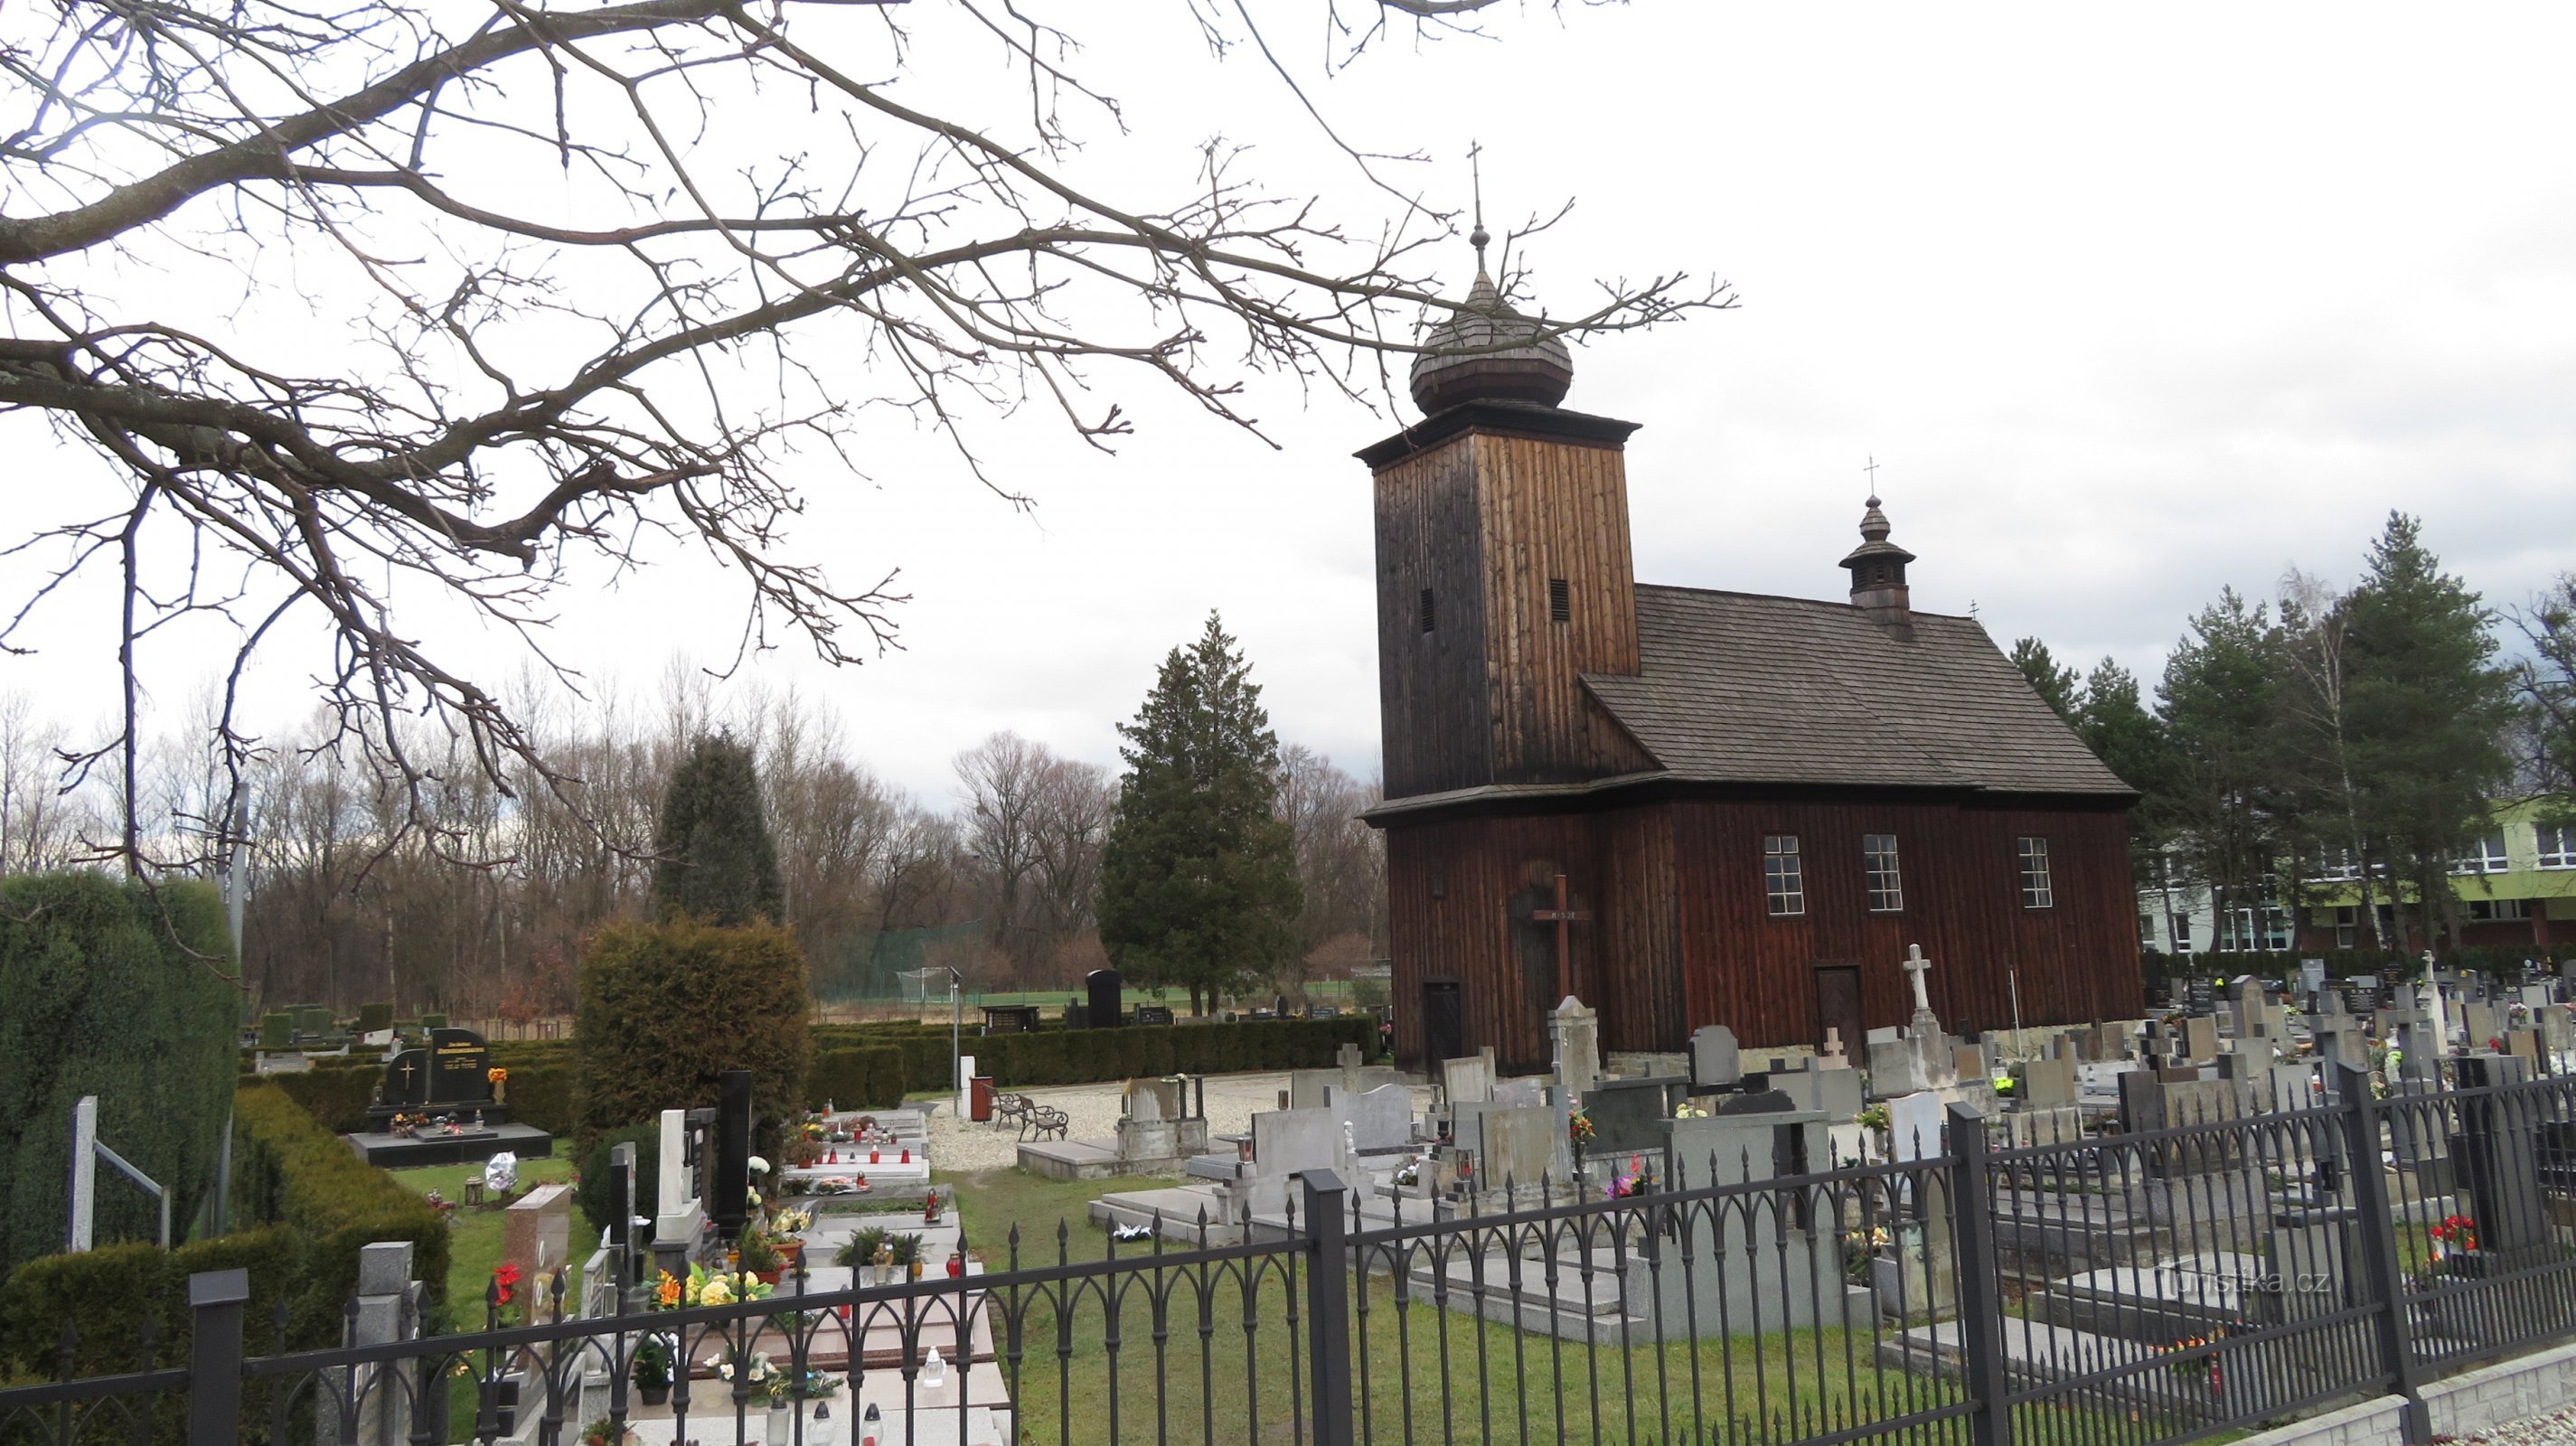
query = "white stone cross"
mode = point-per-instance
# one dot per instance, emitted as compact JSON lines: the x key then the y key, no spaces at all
{"x":1915,"y":964}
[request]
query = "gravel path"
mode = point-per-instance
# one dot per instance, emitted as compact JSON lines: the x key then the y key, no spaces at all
{"x":1232,"y":1100}
{"x":2557,"y":1430}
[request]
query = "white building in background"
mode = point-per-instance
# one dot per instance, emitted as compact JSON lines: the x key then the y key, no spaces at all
{"x":2180,"y":918}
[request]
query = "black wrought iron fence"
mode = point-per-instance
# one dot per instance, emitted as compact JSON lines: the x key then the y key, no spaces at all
{"x":2240,"y":1266}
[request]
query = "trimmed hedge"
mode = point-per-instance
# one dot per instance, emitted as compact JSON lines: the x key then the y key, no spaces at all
{"x":119,"y":991}
{"x":546,"y":1095}
{"x":334,"y":1092}
{"x":868,"y":1078}
{"x":666,"y":1008}
{"x":106,"y":1294}
{"x":372,"y":1017}
{"x":289,"y":1170}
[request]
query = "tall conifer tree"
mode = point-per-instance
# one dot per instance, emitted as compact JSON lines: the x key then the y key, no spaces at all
{"x":717,"y":860}
{"x":2052,"y":680}
{"x":2428,"y":708}
{"x":1199,"y":878}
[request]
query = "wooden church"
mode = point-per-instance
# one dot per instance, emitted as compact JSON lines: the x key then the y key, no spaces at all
{"x":1691,"y":807}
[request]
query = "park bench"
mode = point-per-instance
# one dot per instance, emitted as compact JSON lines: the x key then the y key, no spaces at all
{"x":1010,"y":1109}
{"x":1047,"y":1121}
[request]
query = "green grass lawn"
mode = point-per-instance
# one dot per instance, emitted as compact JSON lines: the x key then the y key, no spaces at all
{"x":474,"y":1234}
{"x":1209,"y":1353}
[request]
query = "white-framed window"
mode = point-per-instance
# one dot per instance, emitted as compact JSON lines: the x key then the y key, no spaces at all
{"x":1784,"y":875}
{"x":1886,"y":881}
{"x":2251,"y":930}
{"x":2497,"y":911}
{"x":2182,"y":931}
{"x":2557,"y":845}
{"x":2036,"y":892}
{"x":2347,"y":926}
{"x":2334,"y":864}
{"x":2484,"y":855}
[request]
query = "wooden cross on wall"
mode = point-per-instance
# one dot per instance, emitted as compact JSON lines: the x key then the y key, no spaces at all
{"x":1564,"y":919}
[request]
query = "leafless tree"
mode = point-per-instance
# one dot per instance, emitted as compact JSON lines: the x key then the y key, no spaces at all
{"x":544,"y":384}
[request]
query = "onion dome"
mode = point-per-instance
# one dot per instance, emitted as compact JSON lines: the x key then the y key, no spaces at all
{"x":1487,"y":352}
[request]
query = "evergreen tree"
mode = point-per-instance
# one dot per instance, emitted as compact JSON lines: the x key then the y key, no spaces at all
{"x":2428,"y":708}
{"x":716,"y":860}
{"x":1199,"y":878}
{"x":2217,"y":705}
{"x":2053,"y":681}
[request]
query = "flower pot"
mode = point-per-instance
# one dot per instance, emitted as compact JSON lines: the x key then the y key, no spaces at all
{"x":767,"y":1277}
{"x":654,"y":1395}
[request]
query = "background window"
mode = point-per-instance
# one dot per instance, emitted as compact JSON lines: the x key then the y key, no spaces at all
{"x":2557,"y":846}
{"x":2035,"y":890}
{"x":2485,"y":856}
{"x":1784,"y":875}
{"x":1878,"y":861}
{"x":2496,"y":911}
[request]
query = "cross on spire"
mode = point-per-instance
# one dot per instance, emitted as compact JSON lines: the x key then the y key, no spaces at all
{"x":1872,"y":469}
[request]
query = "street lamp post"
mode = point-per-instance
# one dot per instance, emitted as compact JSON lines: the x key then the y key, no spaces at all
{"x":956,"y":1030}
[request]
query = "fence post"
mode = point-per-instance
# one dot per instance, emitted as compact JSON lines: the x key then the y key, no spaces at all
{"x":1328,"y":1321}
{"x":1980,"y":1285}
{"x":2378,"y":1246}
{"x":215,"y":1301}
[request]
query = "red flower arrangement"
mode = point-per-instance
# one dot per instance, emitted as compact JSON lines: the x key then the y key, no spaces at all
{"x":2459,"y":1232}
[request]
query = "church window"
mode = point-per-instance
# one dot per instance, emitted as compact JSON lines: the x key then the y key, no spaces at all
{"x":2035,"y":890}
{"x":1784,"y":875}
{"x":1560,"y":601}
{"x":1886,"y":884}
{"x":1430,"y":612}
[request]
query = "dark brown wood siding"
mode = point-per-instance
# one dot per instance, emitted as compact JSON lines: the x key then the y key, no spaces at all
{"x":1682,"y":936}
{"x":2074,"y":961}
{"x":1432,"y":699}
{"x":1555,"y":512}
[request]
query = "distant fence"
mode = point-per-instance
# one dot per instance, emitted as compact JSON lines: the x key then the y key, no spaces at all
{"x":2130,"y":1290}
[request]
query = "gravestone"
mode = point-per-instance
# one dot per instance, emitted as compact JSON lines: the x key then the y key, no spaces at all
{"x":1832,"y":1056}
{"x":2500,"y":1168}
{"x":1380,"y":1119}
{"x":2048,"y":1082}
{"x":1715,"y":1061}
{"x":1834,"y":1093}
{"x":1307,"y":1087}
{"x":1576,"y":1032}
{"x":1467,"y":1081}
{"x":677,"y":1214}
{"x":460,"y":1069}
{"x":2312,"y":980}
{"x":536,"y":1235}
{"x":1520,"y":1093}
{"x":2484,"y":1024}
{"x":2199,"y":1038}
{"x":1286,"y":1144}
{"x":1795,"y":1279}
{"x":1105,"y":994}
{"x":1628,"y":1115}
{"x":2360,"y":996}
{"x":1525,"y":1147}
{"x":2148,"y":1103}
{"x":2200,"y":998}
{"x":406,"y":1083}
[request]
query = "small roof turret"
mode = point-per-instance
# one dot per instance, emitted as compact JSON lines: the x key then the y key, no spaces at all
{"x":1878,"y":565}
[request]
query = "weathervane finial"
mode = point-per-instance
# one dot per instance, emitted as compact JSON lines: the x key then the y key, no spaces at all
{"x":1476,"y":179}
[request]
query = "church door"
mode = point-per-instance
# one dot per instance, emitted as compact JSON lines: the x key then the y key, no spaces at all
{"x":1444,"y":1026}
{"x":1838,"y":1006}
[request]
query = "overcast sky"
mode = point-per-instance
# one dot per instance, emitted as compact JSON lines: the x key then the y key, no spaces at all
{"x":2128,"y":303}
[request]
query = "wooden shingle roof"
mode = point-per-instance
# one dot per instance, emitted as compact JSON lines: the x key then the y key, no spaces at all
{"x":1744,"y":688}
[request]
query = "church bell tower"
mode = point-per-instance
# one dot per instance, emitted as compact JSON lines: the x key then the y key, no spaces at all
{"x":1503,"y":565}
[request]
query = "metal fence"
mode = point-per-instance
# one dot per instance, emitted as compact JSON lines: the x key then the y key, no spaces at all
{"x":2238,"y":1267}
